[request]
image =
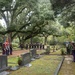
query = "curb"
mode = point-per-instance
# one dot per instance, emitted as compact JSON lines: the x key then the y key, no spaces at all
{"x":59,"y":66}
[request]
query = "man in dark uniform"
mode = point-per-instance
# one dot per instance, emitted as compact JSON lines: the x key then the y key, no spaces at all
{"x":73,"y":50}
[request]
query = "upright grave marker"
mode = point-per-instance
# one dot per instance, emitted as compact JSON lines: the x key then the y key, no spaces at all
{"x":0,"y":63}
{"x":33,"y":53}
{"x":26,"y":59}
{"x":3,"y":62}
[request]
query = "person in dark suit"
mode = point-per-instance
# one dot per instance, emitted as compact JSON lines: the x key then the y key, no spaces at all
{"x":73,"y":50}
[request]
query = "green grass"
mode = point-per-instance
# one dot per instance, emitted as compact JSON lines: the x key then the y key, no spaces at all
{"x":12,"y":61}
{"x":56,"y":52}
{"x":40,"y":51}
{"x":59,"y":51}
{"x":46,"y":65}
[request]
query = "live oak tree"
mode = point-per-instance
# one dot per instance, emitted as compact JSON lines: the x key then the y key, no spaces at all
{"x":28,"y":17}
{"x":11,"y":11}
{"x":23,"y":18}
{"x":37,"y":20}
{"x":1,"y":36}
{"x":65,"y":10}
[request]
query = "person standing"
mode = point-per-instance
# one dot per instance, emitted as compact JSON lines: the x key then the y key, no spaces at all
{"x":3,"y":49}
{"x":10,"y":49}
{"x":67,"y":47}
{"x":73,"y":50}
{"x":7,"y":47}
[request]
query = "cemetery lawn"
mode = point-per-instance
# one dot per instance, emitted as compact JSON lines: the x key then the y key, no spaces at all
{"x":58,"y":52}
{"x":12,"y":61}
{"x":40,"y":51}
{"x":46,"y":65}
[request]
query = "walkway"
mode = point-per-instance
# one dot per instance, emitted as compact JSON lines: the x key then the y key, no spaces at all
{"x":17,"y":52}
{"x":68,"y":67}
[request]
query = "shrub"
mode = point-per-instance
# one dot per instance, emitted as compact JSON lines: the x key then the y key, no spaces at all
{"x":14,"y":45}
{"x":52,"y":42}
{"x":62,"y":52}
{"x":19,"y":61}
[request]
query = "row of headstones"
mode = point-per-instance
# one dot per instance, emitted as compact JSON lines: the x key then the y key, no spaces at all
{"x":37,"y":46}
{"x":26,"y":58}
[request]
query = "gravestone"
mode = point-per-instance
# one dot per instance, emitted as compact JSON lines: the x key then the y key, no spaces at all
{"x":0,"y":63}
{"x":3,"y":62}
{"x":33,"y":53}
{"x":26,"y":59}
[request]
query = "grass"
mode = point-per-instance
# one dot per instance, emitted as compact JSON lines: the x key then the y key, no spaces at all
{"x":40,"y":51}
{"x":12,"y":61}
{"x":57,"y":52}
{"x":46,"y":65}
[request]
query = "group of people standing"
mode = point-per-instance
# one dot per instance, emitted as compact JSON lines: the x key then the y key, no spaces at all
{"x":34,"y":45}
{"x":6,"y":48}
{"x":70,"y":47}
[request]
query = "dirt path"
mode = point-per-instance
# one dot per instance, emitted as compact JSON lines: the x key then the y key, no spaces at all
{"x":17,"y":52}
{"x":68,"y":67}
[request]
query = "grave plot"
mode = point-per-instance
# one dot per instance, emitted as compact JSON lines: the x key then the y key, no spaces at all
{"x":46,"y":65}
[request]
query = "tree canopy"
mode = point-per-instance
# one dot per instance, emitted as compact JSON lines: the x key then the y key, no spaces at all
{"x":32,"y":17}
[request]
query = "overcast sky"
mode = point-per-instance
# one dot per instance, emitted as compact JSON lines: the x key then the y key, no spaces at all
{"x":3,"y":22}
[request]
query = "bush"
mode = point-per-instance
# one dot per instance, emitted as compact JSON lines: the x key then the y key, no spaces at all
{"x":37,"y":39}
{"x":62,"y":52}
{"x":19,"y":61}
{"x":52,"y":42}
{"x":14,"y":45}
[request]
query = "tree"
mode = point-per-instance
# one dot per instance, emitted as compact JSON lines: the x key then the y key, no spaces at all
{"x":65,"y":10}
{"x":1,"y":36}
{"x":11,"y":11}
{"x":36,"y":19}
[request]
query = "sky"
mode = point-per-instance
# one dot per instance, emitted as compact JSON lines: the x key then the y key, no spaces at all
{"x":2,"y":22}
